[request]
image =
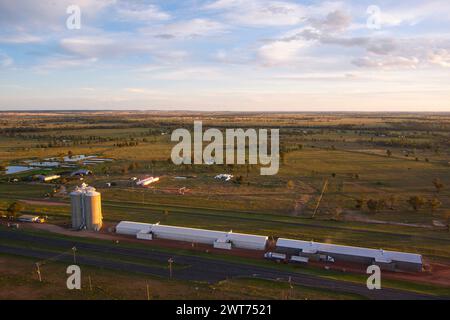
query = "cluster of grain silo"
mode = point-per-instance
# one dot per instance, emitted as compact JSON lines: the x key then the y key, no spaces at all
{"x":86,"y":208}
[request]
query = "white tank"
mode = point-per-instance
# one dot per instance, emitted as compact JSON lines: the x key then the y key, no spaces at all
{"x":77,"y":209}
{"x":86,"y":208}
{"x":93,"y":205}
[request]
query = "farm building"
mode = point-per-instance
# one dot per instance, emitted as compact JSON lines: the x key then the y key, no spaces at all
{"x":387,"y":260}
{"x":81,"y":172}
{"x":44,"y":178}
{"x":30,"y":218}
{"x":218,"y":239}
{"x":147,"y":181}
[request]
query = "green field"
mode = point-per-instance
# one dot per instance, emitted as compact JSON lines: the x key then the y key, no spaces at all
{"x":374,"y":165}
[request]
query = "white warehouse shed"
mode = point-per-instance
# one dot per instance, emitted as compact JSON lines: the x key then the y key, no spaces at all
{"x":218,"y":239}
{"x":383,"y":258}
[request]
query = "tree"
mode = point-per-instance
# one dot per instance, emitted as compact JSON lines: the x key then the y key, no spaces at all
{"x":290,"y":184}
{"x":375,"y":205}
{"x":392,"y":201}
{"x":434,"y":203}
{"x":438,"y":184}
{"x":359,"y":203}
{"x":13,"y":209}
{"x":416,"y":202}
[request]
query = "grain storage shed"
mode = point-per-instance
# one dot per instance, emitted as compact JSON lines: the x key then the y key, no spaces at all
{"x":218,"y":239}
{"x":390,"y":260}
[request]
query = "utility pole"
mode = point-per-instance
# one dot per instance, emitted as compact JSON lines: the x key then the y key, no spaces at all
{"x":325,"y":185}
{"x":38,"y":271}
{"x":291,"y":287}
{"x":170,"y":267}
{"x":148,"y":293}
{"x":74,"y":250}
{"x":90,"y":283}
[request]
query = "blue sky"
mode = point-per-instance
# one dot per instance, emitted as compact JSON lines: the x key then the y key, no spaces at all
{"x":226,"y":55}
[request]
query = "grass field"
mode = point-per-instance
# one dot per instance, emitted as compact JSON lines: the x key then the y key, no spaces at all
{"x":374,"y":165}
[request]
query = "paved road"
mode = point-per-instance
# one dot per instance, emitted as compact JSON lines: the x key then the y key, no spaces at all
{"x":193,"y":268}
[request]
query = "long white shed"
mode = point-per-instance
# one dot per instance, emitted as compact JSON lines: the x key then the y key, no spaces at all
{"x":211,"y":237}
{"x":400,"y":260}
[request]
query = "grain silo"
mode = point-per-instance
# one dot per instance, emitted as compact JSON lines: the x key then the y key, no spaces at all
{"x":86,"y":208}
{"x":77,"y":209}
{"x":93,"y":209}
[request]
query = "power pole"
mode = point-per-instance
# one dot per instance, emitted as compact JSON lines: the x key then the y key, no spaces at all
{"x":148,"y":292}
{"x":325,"y":185}
{"x":38,"y":271}
{"x":74,"y":250}
{"x":170,"y":267}
{"x":90,"y":283}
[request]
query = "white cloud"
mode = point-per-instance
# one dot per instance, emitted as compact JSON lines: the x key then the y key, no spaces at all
{"x":28,"y":15}
{"x":106,"y":45}
{"x":440,"y":57}
{"x":20,"y":39}
{"x":186,"y":29}
{"x":64,"y":62}
{"x":389,"y":62}
{"x":141,"y":12}
{"x":260,"y":13}
{"x":280,"y":52}
{"x":5,"y":60}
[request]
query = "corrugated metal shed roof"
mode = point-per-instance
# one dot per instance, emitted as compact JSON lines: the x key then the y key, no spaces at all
{"x":192,"y":232}
{"x":379,"y":255}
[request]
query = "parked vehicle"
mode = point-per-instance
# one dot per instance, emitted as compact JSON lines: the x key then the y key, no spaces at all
{"x":275,"y":256}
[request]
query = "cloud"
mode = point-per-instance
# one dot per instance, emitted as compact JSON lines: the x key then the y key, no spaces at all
{"x":280,"y":52}
{"x":259,"y":12}
{"x":5,"y":60}
{"x":47,"y":15}
{"x":387,"y":63}
{"x":440,"y":57}
{"x":132,"y":11}
{"x":65,"y":62}
{"x":20,"y":39}
{"x":186,"y":29}
{"x":105,"y":45}
{"x":335,"y":21}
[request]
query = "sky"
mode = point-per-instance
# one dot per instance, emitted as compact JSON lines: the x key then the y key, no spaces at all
{"x":226,"y":55}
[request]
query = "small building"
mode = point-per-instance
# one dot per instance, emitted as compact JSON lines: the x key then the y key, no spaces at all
{"x":387,"y":260}
{"x":49,"y":178}
{"x":81,"y":173}
{"x":224,"y":177}
{"x":147,"y":181}
{"x":30,"y":218}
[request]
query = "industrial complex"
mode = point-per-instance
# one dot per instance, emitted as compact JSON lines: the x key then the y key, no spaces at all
{"x":87,"y":214}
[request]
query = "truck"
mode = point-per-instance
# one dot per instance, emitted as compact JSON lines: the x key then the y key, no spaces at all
{"x":275,"y":256}
{"x":299,"y":259}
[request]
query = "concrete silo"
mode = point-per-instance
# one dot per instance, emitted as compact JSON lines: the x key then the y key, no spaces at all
{"x":86,"y":208}
{"x":93,"y":206}
{"x":77,"y":209}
